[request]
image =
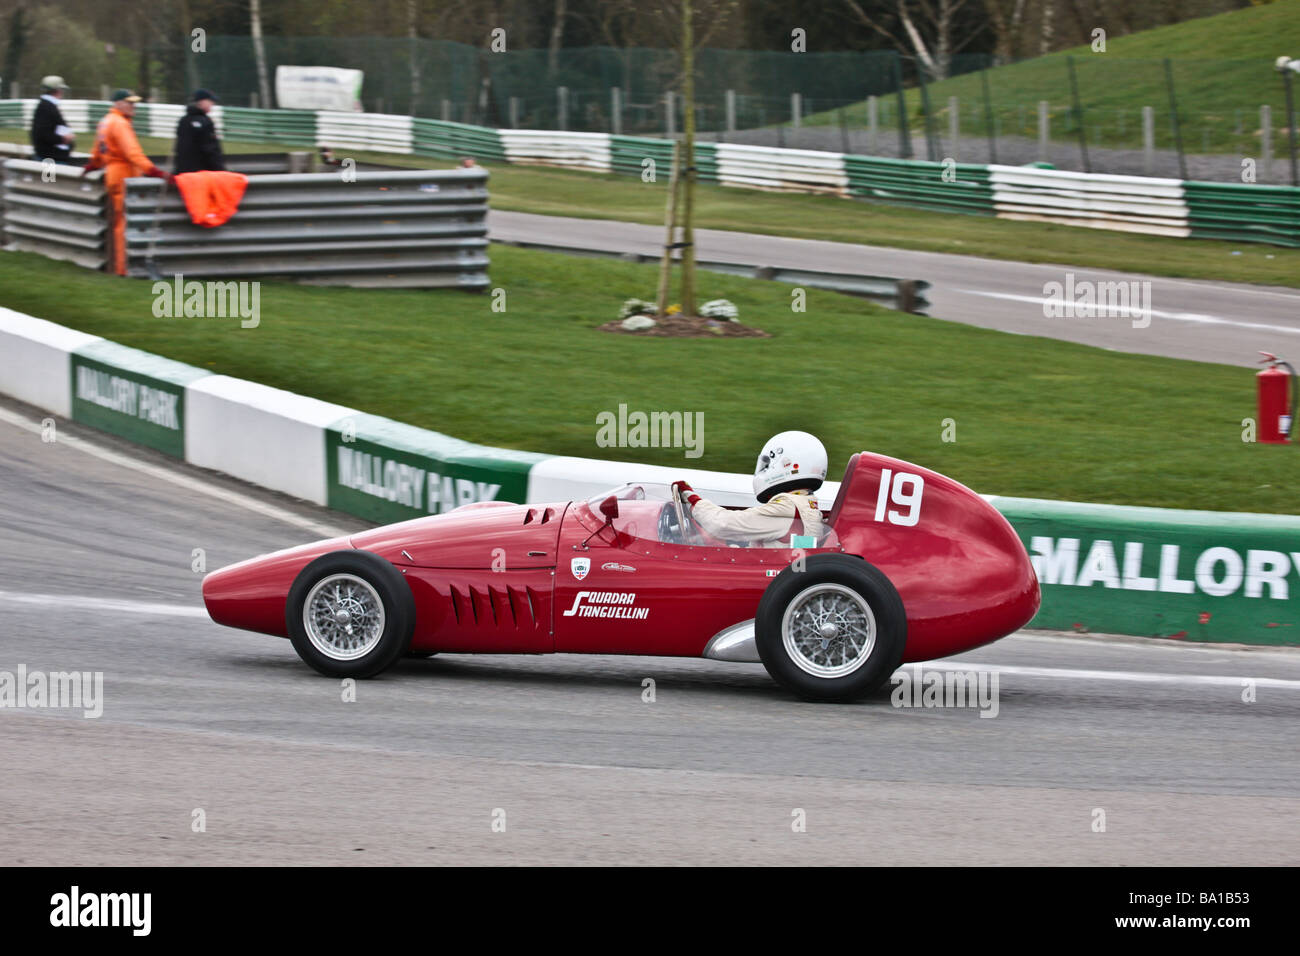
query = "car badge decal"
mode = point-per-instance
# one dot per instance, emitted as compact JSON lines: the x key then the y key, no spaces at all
{"x":580,"y":567}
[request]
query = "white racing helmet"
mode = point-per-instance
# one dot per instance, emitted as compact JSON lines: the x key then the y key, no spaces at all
{"x":788,"y":461}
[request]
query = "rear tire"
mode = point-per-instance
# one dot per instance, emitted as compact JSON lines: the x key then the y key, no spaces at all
{"x":350,"y":614}
{"x":833,"y":631}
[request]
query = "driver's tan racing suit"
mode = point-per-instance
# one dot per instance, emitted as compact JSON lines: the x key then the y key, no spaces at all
{"x":768,"y":525}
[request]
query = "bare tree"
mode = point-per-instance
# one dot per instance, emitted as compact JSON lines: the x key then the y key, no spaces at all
{"x":412,"y":17}
{"x":259,"y":51}
{"x":557,"y":37}
{"x":1006,"y":18}
{"x":925,"y":27}
{"x":1047,"y":27}
{"x":688,"y":159}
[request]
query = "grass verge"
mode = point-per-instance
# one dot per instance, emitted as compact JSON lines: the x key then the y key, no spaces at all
{"x":1032,"y":416}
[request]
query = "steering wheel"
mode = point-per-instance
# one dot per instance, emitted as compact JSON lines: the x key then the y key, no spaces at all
{"x":676,"y":526}
{"x":672,"y":528}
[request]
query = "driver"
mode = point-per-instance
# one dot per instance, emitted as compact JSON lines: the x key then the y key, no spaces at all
{"x":790,"y":468}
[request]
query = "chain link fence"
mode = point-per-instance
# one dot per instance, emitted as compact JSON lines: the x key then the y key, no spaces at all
{"x":1218,"y":120}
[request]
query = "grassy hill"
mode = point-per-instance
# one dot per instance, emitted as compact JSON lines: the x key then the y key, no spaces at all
{"x":1222,"y":70}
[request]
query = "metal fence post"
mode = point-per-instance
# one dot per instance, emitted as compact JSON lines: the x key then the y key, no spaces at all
{"x":1148,"y":139}
{"x":988,"y":117}
{"x":670,"y":111}
{"x":514,"y":112}
{"x":931,"y":147}
{"x":1078,"y":116}
{"x":904,"y":133}
{"x":1266,"y":143}
{"x":562,"y":106}
{"x":731,"y":111}
{"x":796,"y":109}
{"x":873,"y":118}
{"x":446,"y":111}
{"x":1290,"y":125}
{"x":616,"y":111}
{"x":1173,"y":118}
{"x":1042,"y":130}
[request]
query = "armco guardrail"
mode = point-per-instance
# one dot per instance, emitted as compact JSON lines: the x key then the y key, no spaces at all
{"x":957,"y":187}
{"x":1236,"y":211}
{"x":906,"y":295}
{"x":1123,"y":203}
{"x":1191,"y":575}
{"x":50,"y":209}
{"x":413,"y":228}
{"x":1126,"y":203}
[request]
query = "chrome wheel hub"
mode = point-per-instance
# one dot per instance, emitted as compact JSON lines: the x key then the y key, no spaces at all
{"x":343,"y":617}
{"x":828,"y":630}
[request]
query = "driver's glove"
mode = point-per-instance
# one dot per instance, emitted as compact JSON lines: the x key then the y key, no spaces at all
{"x":685,"y":492}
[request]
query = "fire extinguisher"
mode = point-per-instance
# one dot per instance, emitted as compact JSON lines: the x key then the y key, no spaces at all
{"x":1277,"y":399}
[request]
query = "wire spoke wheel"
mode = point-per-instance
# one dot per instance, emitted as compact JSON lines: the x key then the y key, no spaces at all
{"x":343,"y":617}
{"x":828,"y":630}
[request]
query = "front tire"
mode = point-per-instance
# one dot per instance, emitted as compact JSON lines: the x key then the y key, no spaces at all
{"x":833,"y":631}
{"x":350,"y":614}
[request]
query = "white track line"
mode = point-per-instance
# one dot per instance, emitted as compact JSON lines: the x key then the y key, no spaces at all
{"x":111,"y":605}
{"x":1132,"y":677}
{"x":80,"y":602}
{"x":1196,"y":317}
{"x":190,"y":483}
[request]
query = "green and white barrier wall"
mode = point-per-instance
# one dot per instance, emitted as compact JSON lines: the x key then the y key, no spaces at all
{"x":1169,"y":207}
{"x":1190,"y":575}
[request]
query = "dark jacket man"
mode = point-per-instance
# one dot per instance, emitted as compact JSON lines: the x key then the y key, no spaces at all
{"x":197,"y":146}
{"x":51,"y":137}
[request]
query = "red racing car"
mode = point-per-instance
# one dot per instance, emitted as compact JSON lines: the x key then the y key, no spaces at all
{"x":914,"y":566}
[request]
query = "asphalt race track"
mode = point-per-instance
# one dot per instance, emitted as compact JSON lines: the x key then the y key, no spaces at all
{"x":96,"y":552}
{"x":1190,"y":319}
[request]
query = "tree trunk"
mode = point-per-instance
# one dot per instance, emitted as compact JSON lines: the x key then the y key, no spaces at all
{"x":412,"y":11}
{"x":187,"y":51}
{"x":1047,"y":27}
{"x":14,"y":49}
{"x":259,"y":52}
{"x":670,"y":230}
{"x":688,"y":160}
{"x":557,"y":37}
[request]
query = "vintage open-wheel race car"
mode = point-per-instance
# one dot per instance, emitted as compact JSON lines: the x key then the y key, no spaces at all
{"x":914,"y":566}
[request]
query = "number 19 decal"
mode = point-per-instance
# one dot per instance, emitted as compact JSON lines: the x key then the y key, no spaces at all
{"x":904,"y":490}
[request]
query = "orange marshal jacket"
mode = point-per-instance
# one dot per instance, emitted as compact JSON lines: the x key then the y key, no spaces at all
{"x":211,"y":196}
{"x":117,"y":151}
